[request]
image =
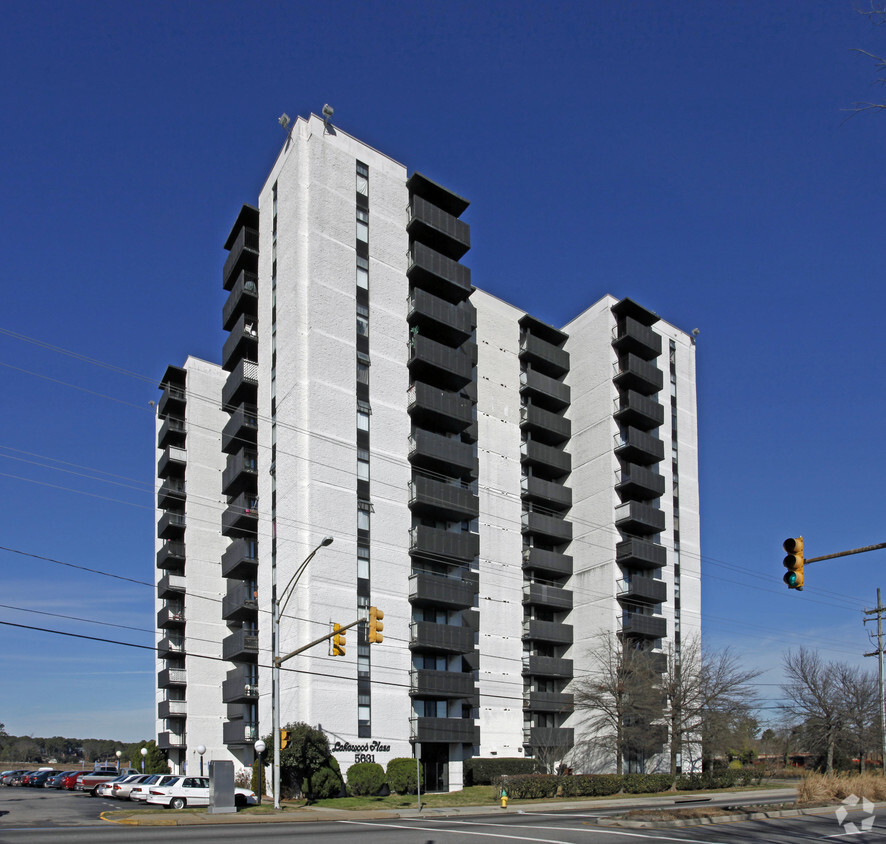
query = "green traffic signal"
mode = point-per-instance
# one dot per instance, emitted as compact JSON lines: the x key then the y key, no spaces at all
{"x":793,"y":562}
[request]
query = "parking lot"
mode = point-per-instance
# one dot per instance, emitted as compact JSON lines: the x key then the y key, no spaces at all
{"x":49,"y":807}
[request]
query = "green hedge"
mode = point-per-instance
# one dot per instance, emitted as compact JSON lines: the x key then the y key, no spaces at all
{"x":536,"y":786}
{"x":479,"y":771}
{"x":401,"y":775}
{"x":326,"y":782}
{"x":365,"y":778}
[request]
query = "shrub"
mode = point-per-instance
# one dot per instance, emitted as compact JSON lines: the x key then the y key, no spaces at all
{"x":326,"y":782}
{"x":647,"y":783}
{"x":401,"y":775}
{"x":479,"y":771}
{"x":248,"y":778}
{"x":365,"y":778}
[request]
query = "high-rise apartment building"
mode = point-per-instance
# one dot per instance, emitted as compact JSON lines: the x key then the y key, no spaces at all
{"x":504,"y":490}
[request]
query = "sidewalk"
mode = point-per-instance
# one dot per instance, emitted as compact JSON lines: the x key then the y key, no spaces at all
{"x":309,"y":814}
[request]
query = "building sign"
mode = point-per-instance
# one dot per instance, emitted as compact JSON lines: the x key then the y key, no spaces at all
{"x":362,"y":752}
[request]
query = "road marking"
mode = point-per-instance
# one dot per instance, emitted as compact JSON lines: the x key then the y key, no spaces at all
{"x":462,"y":832}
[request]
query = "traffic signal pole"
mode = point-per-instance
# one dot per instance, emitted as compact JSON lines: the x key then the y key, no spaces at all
{"x":846,"y":553}
{"x":879,"y":654}
{"x":279,"y":660}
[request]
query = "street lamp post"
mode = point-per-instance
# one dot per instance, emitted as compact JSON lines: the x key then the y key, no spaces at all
{"x":144,"y":752}
{"x":260,"y":749}
{"x":201,"y":750}
{"x":277,"y":607}
{"x":118,"y":754}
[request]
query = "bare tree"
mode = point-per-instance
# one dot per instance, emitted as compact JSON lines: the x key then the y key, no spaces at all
{"x":815,"y":697}
{"x":877,"y":15}
{"x":707,"y":693}
{"x":861,"y":704}
{"x":623,"y":700}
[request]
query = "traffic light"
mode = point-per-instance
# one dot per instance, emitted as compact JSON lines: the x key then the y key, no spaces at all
{"x":338,"y":640}
{"x":284,"y":739}
{"x":375,"y":625}
{"x":794,"y":563}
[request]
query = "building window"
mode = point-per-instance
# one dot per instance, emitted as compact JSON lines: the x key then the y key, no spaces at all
{"x":363,"y":508}
{"x":362,"y":420}
{"x":363,"y":273}
{"x":362,"y":372}
{"x":362,"y":225}
{"x":363,"y":562}
{"x":362,"y":178}
{"x":362,"y":321}
{"x":362,"y":464}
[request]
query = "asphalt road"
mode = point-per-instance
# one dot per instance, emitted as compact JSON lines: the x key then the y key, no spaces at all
{"x":39,"y":817}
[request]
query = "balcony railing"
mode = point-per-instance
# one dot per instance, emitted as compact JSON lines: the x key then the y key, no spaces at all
{"x":634,"y":337}
{"x":243,"y":299}
{"x":448,"y":454}
{"x":636,"y":625}
{"x":171,"y":584}
{"x":640,"y":553}
{"x":171,"y":525}
{"x":440,"y":364}
{"x":456,"y":502}
{"x":541,"y":737}
{"x":171,"y":555}
{"x":172,"y":677}
{"x":455,"y":322}
{"x":173,"y":431}
{"x":171,"y":645}
{"x":633,"y":373}
{"x":547,"y":562}
{"x":428,"y":267}
{"x":241,"y":473}
{"x":547,"y":391}
{"x":546,"y":460}
{"x":241,"y":559}
{"x":544,"y":355}
{"x":552,"y":495}
{"x":642,"y":589}
{"x":434,"y":542}
{"x":172,"y":462}
{"x":551,"y":528}
{"x":445,"y":730}
{"x":547,"y":666}
{"x":544,"y":425}
{"x":240,"y":603}
{"x":243,"y":256}
{"x":171,"y":741}
{"x":241,"y":516}
{"x":239,"y":732}
{"x":636,"y":517}
{"x":172,"y":709}
{"x":240,"y":430}
{"x":440,"y":684}
{"x":638,"y":411}
{"x":548,"y":631}
{"x":446,"y":408}
{"x":240,"y":646}
{"x":549,"y":701}
{"x":171,"y":616}
{"x":639,"y":483}
{"x":241,"y":385}
{"x":434,"y":589}
{"x":242,"y":342}
{"x":545,"y":595}
{"x":638,"y":447}
{"x":437,"y":228}
{"x":443,"y":638}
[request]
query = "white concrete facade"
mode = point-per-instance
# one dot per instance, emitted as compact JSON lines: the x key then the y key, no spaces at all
{"x":312,"y":477}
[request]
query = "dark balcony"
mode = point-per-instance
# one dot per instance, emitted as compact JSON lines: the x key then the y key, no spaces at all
{"x":172,"y":645}
{"x":638,"y":518}
{"x":172,"y":493}
{"x":638,"y":447}
{"x":240,"y":646}
{"x":451,"y":323}
{"x":172,"y":401}
{"x":420,"y":185}
{"x":549,"y":701}
{"x":547,"y":666}
{"x":547,"y":596}
{"x":171,"y":585}
{"x":640,"y":554}
{"x":243,"y":300}
{"x":438,"y":229}
{"x":551,"y":529}
{"x":240,"y":604}
{"x":439,"y":408}
{"x":633,"y":373}
{"x":242,"y":342}
{"x":440,"y":590}
{"x":241,"y":516}
{"x":545,"y":460}
{"x":243,"y":256}
{"x":435,"y":543}
{"x":240,"y":685}
{"x":439,"y":684}
{"x":547,"y":562}
{"x":240,"y":430}
{"x":543,"y":355}
{"x":446,"y":455}
{"x":172,"y":709}
{"x":639,"y":483}
{"x":241,"y":386}
{"x":638,"y":411}
{"x":173,"y":431}
{"x":640,"y":589}
{"x":171,"y":616}
{"x":240,"y":561}
{"x":241,"y":473}
{"x":442,"y":638}
{"x":444,"y":730}
{"x":434,"y":271}
{"x":172,"y":462}
{"x":632,"y":337}
{"x":549,"y":737}
{"x":171,"y":525}
{"x":239,"y":732}
{"x":544,"y":390}
{"x":548,"y":631}
{"x":442,"y":365}
{"x":442,"y":500}
{"x":171,"y":555}
{"x":171,"y":741}
{"x":543,"y":425}
{"x":549,"y":494}
{"x":636,"y":626}
{"x":172,"y":677}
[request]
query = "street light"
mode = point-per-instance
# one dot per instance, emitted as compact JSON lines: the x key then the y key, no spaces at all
{"x":201,"y":749}
{"x":118,"y":754}
{"x":260,"y":749}
{"x":144,"y":752}
{"x":277,"y":607}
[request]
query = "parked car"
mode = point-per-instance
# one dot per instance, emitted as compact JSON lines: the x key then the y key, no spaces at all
{"x":69,"y":783}
{"x":93,"y":779}
{"x":8,"y":776}
{"x":193,"y":791}
{"x":139,"y":792}
{"x":122,"y":789}
{"x":38,"y":779}
{"x":55,"y":781}
{"x":105,"y":789}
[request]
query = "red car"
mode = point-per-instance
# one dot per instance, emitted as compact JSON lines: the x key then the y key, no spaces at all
{"x":70,"y":780}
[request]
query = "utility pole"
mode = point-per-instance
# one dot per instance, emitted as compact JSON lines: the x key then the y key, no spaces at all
{"x":879,"y":654}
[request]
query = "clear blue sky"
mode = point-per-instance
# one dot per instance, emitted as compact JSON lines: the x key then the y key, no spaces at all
{"x":692,"y":156}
